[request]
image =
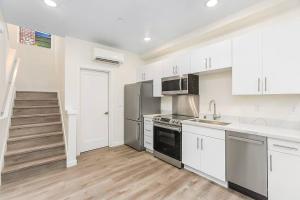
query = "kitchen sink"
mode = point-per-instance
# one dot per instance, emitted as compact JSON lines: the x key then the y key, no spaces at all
{"x":210,"y":122}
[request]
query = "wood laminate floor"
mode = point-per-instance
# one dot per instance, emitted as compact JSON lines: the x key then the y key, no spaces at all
{"x":118,"y":173}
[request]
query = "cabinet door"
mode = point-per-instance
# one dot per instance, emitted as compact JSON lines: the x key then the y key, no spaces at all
{"x":168,"y":68}
{"x":213,"y":157}
{"x":198,"y":60}
{"x":145,"y":73}
{"x":191,"y":150}
{"x":247,"y":65}
{"x":284,"y":176}
{"x":281,"y":60}
{"x":182,"y":64}
{"x":219,"y":55}
{"x":157,"y":69}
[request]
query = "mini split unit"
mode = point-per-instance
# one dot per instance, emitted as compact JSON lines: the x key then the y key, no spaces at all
{"x":109,"y":57}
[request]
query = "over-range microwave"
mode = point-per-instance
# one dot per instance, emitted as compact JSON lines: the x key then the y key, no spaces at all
{"x":185,"y":84}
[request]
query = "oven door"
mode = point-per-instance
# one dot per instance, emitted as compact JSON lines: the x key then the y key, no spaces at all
{"x":167,"y":141}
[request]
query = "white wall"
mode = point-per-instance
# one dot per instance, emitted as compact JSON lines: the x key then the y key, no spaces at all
{"x":37,"y":67}
{"x":79,"y":55}
{"x":218,"y":86}
{"x":4,"y":47}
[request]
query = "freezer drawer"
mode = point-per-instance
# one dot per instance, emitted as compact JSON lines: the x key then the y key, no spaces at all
{"x":133,"y":136}
{"x":246,"y":157}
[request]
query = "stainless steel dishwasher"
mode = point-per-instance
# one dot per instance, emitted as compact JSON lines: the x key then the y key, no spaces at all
{"x":247,"y":164}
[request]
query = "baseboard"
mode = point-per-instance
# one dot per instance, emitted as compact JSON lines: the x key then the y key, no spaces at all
{"x":219,"y":182}
{"x":71,"y":163}
{"x":116,"y":143}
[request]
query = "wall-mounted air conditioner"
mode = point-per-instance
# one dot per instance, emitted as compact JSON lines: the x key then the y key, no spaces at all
{"x":108,"y":56}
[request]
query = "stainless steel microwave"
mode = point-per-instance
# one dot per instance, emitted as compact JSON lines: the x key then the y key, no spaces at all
{"x":186,"y":84}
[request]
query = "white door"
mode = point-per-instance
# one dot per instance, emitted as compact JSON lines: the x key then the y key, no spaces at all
{"x":213,"y":157}
{"x":191,"y":150}
{"x":247,"y":65}
{"x":93,"y":110}
{"x":284,"y":176}
{"x":281,"y":60}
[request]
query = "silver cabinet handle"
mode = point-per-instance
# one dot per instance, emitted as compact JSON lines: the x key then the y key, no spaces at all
{"x":285,"y":147}
{"x":258,"y":84}
{"x":271,"y":163}
{"x":201,"y":143}
{"x":197,"y":143}
{"x":265,"y":84}
{"x":176,"y":69}
{"x":246,"y":140}
{"x":209,"y":61}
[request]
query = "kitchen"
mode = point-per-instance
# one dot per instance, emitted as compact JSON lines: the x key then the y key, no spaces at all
{"x":234,"y":151}
{"x":200,"y":102}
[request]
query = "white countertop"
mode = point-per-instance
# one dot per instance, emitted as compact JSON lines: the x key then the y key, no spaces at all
{"x":150,"y":116}
{"x":262,"y":130}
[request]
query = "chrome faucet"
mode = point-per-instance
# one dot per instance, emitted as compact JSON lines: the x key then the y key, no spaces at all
{"x":215,"y":115}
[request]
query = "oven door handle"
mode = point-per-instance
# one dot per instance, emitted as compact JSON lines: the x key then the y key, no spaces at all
{"x":168,"y":127}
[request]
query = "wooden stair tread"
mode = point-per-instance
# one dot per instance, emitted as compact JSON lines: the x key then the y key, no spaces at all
{"x":35,"y":115}
{"x":46,"y":99}
{"x":30,"y":107}
{"x":34,"y":125}
{"x":32,"y":149}
{"x":25,"y":165}
{"x":39,"y":135}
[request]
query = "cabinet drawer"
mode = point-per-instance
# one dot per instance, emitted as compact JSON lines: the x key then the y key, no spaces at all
{"x":209,"y":132}
{"x":148,"y":133}
{"x":148,"y":127}
{"x":284,"y":146}
{"x":148,"y":121}
{"x":148,"y":142}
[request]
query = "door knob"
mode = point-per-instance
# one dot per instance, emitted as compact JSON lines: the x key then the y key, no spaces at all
{"x":106,"y":113}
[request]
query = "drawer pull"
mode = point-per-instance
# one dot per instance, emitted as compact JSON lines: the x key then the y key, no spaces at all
{"x":285,"y":147}
{"x":148,"y":130}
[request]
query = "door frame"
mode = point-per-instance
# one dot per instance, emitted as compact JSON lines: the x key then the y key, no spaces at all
{"x":110,"y":116}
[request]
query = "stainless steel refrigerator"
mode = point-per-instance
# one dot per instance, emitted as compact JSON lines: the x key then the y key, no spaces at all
{"x":139,"y":101}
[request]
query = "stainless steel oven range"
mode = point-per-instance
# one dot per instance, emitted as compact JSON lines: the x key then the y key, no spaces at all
{"x":168,"y":138}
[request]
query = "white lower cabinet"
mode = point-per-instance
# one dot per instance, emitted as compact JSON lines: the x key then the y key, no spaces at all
{"x":203,"y":149}
{"x":284,"y":170}
{"x":190,"y":150}
{"x":148,"y":134}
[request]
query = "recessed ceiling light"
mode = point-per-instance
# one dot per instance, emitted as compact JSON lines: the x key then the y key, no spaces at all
{"x":50,"y":3}
{"x":147,"y":39}
{"x":212,"y":3}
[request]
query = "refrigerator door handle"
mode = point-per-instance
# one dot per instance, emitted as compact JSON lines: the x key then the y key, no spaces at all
{"x":138,"y":132}
{"x":139,"y":108}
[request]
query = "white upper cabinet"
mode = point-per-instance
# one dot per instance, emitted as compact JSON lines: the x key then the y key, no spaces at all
{"x":157,"y":75}
{"x":177,"y":65}
{"x":267,"y":61}
{"x":212,"y":57}
{"x":281,"y":58}
{"x":247,"y":64}
{"x":198,"y":60}
{"x":219,"y":55}
{"x":145,"y":73}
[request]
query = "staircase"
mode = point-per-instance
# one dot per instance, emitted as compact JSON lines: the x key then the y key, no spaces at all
{"x":35,"y":144}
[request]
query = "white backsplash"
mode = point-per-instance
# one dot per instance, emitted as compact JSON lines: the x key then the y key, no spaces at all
{"x":271,"y":108}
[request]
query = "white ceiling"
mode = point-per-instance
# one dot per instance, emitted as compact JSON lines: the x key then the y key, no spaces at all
{"x":120,"y":23}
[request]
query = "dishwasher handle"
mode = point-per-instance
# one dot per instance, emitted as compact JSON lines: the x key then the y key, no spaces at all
{"x":258,"y":142}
